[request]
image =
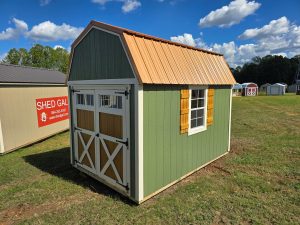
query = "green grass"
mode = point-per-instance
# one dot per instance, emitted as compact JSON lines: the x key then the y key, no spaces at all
{"x":257,"y":183}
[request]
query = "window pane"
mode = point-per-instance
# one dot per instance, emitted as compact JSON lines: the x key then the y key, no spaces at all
{"x":200,"y":122}
{"x":200,"y":112}
{"x":90,"y":100}
{"x":194,"y":93}
{"x":119,"y":102}
{"x":200,"y":103}
{"x":193,"y":114}
{"x":80,"y":99}
{"x":193,"y":123}
{"x":194,"y":104}
{"x":201,"y":93}
{"x":111,"y":101}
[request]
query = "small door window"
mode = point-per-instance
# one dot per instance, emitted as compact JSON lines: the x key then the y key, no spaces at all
{"x":110,"y":101}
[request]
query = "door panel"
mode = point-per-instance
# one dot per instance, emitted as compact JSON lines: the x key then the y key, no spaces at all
{"x":102,"y":134}
{"x":85,"y":119}
{"x":111,"y":125}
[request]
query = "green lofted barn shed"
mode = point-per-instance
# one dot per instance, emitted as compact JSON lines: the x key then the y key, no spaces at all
{"x":145,"y":112}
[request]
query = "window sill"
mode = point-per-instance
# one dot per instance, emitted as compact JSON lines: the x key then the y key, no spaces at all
{"x":196,"y":130}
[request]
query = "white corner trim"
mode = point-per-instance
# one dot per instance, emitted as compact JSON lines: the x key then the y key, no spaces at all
{"x":139,"y":142}
{"x":229,"y":126}
{"x":1,"y":139}
{"x":105,"y":81}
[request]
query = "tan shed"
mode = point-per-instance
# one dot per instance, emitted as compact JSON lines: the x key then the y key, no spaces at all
{"x":33,"y":105}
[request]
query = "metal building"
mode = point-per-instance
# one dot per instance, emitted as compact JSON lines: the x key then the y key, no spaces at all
{"x":33,"y":105}
{"x":145,"y":112}
{"x":276,"y":89}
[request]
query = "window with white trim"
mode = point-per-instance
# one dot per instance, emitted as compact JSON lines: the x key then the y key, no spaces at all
{"x":197,"y":110}
{"x":110,"y":101}
{"x":85,"y":100}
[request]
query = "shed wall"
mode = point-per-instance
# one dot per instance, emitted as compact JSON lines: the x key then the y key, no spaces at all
{"x":100,"y":55}
{"x":18,"y":115}
{"x":169,"y":155}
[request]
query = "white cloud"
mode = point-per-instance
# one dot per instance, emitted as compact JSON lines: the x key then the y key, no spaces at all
{"x":267,"y":40}
{"x":275,"y":27}
{"x":128,"y":5}
{"x":13,"y":33}
{"x":48,"y":31}
{"x":58,"y":46}
{"x":230,"y":14}
{"x":44,"y":2}
{"x":45,"y":31}
{"x":185,"y":39}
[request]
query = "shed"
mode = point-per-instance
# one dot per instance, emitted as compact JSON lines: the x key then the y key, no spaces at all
{"x":237,"y":89}
{"x":249,"y":89}
{"x":292,"y":88}
{"x":263,"y":87}
{"x":145,"y":112}
{"x":276,"y":89}
{"x":27,"y":105}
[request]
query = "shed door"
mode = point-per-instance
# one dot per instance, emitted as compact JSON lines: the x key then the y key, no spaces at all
{"x":251,"y":91}
{"x":85,"y":130}
{"x":112,"y":112}
{"x":101,"y":134}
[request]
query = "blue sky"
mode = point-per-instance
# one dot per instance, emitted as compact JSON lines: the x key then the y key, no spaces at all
{"x":240,"y":29}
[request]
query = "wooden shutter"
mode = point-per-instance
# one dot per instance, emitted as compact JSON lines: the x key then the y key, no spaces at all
{"x":210,"y":106}
{"x":184,"y":110}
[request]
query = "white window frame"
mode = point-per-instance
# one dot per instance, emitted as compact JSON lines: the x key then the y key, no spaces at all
{"x":85,"y":106}
{"x":196,"y":130}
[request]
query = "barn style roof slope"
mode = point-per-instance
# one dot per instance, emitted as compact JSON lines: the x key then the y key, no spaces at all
{"x":159,"y":61}
{"x":23,"y":74}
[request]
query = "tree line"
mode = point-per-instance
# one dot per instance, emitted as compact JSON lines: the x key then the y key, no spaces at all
{"x":268,"y":69}
{"x":39,"y":56}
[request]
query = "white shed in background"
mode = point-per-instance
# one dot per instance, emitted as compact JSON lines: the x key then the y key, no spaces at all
{"x":276,"y":89}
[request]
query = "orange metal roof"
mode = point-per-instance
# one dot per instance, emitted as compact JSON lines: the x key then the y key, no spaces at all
{"x":159,"y":61}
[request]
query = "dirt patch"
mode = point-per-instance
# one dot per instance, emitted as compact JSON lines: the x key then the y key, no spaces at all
{"x":26,"y":211}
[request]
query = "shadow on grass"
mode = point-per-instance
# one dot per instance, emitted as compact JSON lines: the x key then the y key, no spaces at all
{"x":57,"y":163}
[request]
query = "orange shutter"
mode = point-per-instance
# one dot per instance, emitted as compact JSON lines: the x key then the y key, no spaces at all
{"x":210,"y":106}
{"x":184,"y":111}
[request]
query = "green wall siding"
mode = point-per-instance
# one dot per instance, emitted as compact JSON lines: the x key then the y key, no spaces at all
{"x":100,"y":55}
{"x":168,"y":155}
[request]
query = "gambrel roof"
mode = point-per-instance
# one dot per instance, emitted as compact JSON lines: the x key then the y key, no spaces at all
{"x":159,"y":61}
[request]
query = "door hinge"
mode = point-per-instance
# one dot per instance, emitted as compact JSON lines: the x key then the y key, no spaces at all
{"x":125,"y":186}
{"x":126,"y":93}
{"x":123,"y":142}
{"x":73,"y":90}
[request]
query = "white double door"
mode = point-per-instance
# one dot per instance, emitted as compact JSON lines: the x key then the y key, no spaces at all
{"x":101,"y":134}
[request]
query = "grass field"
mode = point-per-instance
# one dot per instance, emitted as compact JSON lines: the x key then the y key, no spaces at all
{"x":257,"y":183}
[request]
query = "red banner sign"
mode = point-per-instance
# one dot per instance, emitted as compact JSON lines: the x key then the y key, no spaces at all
{"x":52,"y":110}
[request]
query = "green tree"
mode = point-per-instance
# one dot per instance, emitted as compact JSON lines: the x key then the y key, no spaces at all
{"x":39,"y":56}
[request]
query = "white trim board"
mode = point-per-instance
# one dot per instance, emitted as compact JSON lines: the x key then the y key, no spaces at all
{"x":229,"y":125}
{"x":105,"y":81}
{"x":139,"y":143}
